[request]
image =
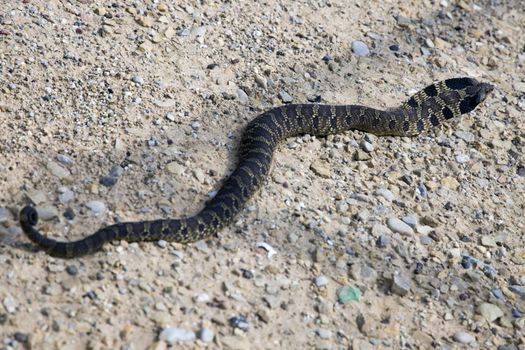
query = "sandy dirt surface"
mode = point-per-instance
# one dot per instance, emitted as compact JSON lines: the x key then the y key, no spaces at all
{"x":132,"y":110}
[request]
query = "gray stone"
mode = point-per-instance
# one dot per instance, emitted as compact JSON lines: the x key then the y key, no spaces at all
{"x":464,"y":338}
{"x":97,"y":207}
{"x":174,"y":334}
{"x":520,"y":290}
{"x":206,"y":335}
{"x":10,"y":304}
{"x":243,"y":97}
{"x":410,"y":220}
{"x":116,"y":171}
{"x":37,"y":197}
{"x":462,"y":158}
{"x":399,"y":226}
{"x":386,"y":194}
{"x":57,"y":170}
{"x":46,"y":213}
{"x":324,"y":333}
{"x":4,"y":214}
{"x":66,"y":196}
{"x":137,"y":79}
{"x":466,"y":136}
{"x":400,"y":285}
{"x":367,"y":146}
{"x":321,"y":281}
{"x":285,"y":97}
{"x":64,"y":159}
{"x":360,"y":48}
{"x":490,"y":311}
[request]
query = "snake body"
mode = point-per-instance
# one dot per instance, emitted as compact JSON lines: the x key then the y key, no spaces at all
{"x":421,"y":112}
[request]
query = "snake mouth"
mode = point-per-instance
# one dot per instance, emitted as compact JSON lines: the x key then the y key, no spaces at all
{"x":483,"y":90}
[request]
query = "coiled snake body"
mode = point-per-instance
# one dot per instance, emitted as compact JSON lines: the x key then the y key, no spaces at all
{"x":424,"y":110}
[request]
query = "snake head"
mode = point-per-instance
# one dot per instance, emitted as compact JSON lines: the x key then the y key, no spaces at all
{"x":472,"y":92}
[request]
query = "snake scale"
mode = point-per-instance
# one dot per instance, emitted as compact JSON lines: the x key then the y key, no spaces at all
{"x":425,"y":109}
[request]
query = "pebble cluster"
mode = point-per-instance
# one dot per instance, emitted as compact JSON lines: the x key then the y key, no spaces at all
{"x":133,"y":110}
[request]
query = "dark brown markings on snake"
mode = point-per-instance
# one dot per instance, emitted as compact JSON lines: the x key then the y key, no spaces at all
{"x":434,"y":120}
{"x":458,"y":83}
{"x":412,"y":102}
{"x":431,"y":91}
{"x":406,"y":125}
{"x":447,"y":112}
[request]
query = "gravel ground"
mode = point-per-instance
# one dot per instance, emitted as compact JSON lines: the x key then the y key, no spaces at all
{"x":132,"y":110}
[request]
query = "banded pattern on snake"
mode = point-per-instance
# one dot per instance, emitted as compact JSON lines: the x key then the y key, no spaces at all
{"x":426,"y":109}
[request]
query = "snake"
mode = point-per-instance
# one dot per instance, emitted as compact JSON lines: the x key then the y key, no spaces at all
{"x":423,"y":111}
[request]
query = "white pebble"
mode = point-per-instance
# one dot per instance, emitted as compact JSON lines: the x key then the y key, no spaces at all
{"x":462,"y":158}
{"x":464,"y":338}
{"x":324,"y":333}
{"x":321,"y":281}
{"x":386,"y":194}
{"x":206,"y":335}
{"x":173,"y":334}
{"x":269,"y":249}
{"x":97,"y":207}
{"x":360,"y":48}
{"x":399,"y":226}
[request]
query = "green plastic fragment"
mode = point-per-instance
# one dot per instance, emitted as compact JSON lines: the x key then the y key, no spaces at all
{"x":348,"y":293}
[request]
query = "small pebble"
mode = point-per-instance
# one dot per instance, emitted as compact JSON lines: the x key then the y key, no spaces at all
{"x":4,"y":214}
{"x":321,"y":281}
{"x":382,"y":241}
{"x":367,"y":146}
{"x":239,"y":322}
{"x":360,"y":48}
{"x":348,"y":293}
{"x":72,"y":270}
{"x":520,"y":290}
{"x":269,"y":249}
{"x":97,"y":207}
{"x":462,"y":158}
{"x":21,"y":337}
{"x":400,"y":285}
{"x":466,"y":136}
{"x":162,"y":243}
{"x":47,"y":213}
{"x":116,"y":171}
{"x":69,"y":214}
{"x":57,"y":170}
{"x":410,"y":220}
{"x":285,"y":97}
{"x":386,"y":194}
{"x":137,"y":80}
{"x":173,"y":334}
{"x":497,"y":293}
{"x":206,"y":335}
{"x":324,"y":333}
{"x":243,"y":97}
{"x":490,"y":311}
{"x":66,"y":196}
{"x":463,"y":337}
{"x":399,"y":226}
{"x":108,"y":181}
{"x":64,"y":159}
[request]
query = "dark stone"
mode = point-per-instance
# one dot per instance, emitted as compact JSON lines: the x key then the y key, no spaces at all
{"x":72,"y":270}
{"x":69,"y":214}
